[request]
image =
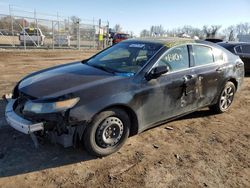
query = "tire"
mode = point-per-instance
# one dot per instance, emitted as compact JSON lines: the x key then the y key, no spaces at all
{"x":107,"y":133}
{"x":225,"y":99}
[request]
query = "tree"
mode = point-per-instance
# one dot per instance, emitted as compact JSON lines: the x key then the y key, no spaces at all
{"x":157,"y":30}
{"x":117,"y":28}
{"x":131,"y":33}
{"x":145,"y":33}
{"x":75,"y":19}
{"x":75,"y":25}
{"x":188,"y":30}
{"x":240,"y":29}
{"x":230,"y":33}
{"x":192,"y":31}
{"x":243,"y":28}
{"x":211,"y":32}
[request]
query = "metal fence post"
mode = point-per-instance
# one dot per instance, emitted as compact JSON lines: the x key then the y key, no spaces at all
{"x":53,"y":36}
{"x":107,"y":35}
{"x":24,"y":35}
{"x":94,"y":39}
{"x":38,"y":42}
{"x":12,"y":25}
{"x":78,"y":37}
{"x":99,"y":30}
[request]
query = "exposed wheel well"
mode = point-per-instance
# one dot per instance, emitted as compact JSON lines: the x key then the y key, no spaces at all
{"x":132,"y":115}
{"x":234,"y":82}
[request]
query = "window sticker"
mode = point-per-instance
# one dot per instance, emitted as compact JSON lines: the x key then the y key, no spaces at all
{"x":137,"y":45}
{"x":173,"y":57}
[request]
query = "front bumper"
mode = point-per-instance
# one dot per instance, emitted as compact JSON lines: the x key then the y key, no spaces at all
{"x":20,"y":123}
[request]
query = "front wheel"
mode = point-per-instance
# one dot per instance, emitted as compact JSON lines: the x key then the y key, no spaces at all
{"x":107,"y":132}
{"x":226,"y":98}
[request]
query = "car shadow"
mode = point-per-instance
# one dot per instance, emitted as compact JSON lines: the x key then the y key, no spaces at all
{"x":247,"y":74}
{"x":198,"y":114}
{"x":18,"y":154}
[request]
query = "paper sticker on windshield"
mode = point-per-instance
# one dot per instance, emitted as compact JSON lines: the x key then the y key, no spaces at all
{"x":136,"y":45}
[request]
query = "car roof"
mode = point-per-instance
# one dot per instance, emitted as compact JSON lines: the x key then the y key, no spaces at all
{"x":232,"y":43}
{"x":169,"y":41}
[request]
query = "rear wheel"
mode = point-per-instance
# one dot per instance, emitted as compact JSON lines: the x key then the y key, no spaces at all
{"x":107,"y":132}
{"x":226,"y":98}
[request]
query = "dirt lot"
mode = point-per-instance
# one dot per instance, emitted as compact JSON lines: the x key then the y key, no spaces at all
{"x":202,"y":150}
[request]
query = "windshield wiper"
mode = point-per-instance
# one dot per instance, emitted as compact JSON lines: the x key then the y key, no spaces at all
{"x":106,"y":69}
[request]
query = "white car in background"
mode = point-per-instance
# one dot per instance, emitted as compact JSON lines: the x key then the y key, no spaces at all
{"x":62,"y":40}
{"x":31,"y":36}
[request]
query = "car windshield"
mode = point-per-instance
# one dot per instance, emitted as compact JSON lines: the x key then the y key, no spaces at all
{"x":127,"y":57}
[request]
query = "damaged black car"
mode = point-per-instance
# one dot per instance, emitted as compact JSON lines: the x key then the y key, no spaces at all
{"x":124,"y":90}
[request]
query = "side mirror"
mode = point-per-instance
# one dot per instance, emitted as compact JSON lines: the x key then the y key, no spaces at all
{"x":157,"y":72}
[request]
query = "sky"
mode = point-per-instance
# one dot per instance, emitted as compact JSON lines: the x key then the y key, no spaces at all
{"x":136,"y":15}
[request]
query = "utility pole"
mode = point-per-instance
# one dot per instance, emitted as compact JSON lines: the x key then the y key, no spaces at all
{"x":94,"y":40}
{"x":107,"y":35}
{"x":100,"y":35}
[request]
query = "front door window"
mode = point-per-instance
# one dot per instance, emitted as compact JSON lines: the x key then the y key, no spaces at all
{"x":176,"y":59}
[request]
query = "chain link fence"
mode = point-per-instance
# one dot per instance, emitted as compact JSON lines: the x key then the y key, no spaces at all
{"x":32,"y":32}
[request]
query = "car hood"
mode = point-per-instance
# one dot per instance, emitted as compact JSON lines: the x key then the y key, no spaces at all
{"x":65,"y":79}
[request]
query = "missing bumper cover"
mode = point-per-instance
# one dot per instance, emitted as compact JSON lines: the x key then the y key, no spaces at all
{"x":20,"y":123}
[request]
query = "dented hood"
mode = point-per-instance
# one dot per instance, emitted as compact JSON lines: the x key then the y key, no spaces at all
{"x":64,"y":79}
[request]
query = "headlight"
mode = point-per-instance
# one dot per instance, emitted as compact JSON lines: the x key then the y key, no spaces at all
{"x":50,"y":107}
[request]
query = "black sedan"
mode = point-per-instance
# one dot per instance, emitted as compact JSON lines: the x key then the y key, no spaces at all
{"x":241,"y":49}
{"x":124,"y":90}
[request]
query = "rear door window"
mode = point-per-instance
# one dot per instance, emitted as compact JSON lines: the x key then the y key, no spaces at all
{"x":203,"y":55}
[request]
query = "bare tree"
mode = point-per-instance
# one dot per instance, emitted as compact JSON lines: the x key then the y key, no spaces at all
{"x":243,"y":28}
{"x":75,"y":19}
{"x":131,"y":34}
{"x":157,"y":30}
{"x":211,"y":31}
{"x":145,"y":33}
{"x":230,"y":33}
{"x":5,"y":23}
{"x":240,"y":29}
{"x":117,"y":28}
{"x":189,"y":30}
{"x":75,"y":24}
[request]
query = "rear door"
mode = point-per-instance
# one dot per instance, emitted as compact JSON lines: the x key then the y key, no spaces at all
{"x":173,"y":93}
{"x":209,"y":68}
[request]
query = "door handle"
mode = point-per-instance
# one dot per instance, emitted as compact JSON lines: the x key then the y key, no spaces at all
{"x":189,"y":77}
{"x":219,"y":69}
